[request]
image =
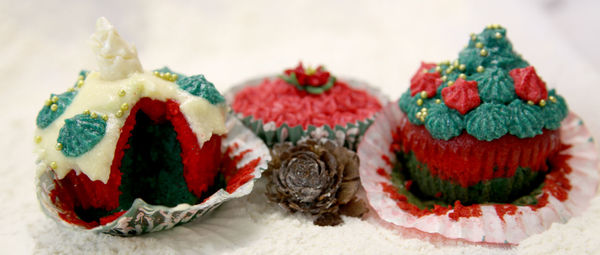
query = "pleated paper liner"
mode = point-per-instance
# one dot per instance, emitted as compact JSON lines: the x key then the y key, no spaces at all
{"x":251,"y":156}
{"x":348,"y":135}
{"x":567,"y":189}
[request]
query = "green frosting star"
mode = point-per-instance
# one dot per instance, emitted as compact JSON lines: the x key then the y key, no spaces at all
{"x":443,"y":123}
{"x":526,"y":121}
{"x":489,"y":121}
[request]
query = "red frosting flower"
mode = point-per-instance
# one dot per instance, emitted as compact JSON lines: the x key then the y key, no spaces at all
{"x":462,"y":96}
{"x":528,"y":84}
{"x":425,"y":81}
{"x":309,"y":77}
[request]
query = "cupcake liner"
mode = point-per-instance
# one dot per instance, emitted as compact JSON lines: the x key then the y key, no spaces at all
{"x":144,"y":218}
{"x":347,"y":135}
{"x":493,"y":223}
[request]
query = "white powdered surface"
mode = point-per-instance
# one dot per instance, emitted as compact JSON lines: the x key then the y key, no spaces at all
{"x":43,"y":47}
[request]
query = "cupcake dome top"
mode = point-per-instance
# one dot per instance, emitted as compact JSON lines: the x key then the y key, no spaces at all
{"x":79,"y":129}
{"x":489,"y":91}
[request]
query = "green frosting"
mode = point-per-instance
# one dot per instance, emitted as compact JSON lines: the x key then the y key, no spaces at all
{"x":495,"y":85}
{"x":443,"y":122}
{"x":80,"y":134}
{"x":46,"y":116}
{"x":197,"y":85}
{"x":554,"y":112}
{"x":489,"y":121}
{"x":526,"y":121}
{"x":487,"y":59}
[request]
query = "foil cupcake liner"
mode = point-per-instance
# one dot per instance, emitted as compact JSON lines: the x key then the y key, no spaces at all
{"x":145,"y":218}
{"x":377,"y":161}
{"x":347,"y":135}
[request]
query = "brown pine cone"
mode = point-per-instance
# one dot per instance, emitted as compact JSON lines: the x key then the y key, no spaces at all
{"x":316,"y":177}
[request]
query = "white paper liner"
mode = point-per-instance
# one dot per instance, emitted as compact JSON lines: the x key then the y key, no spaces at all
{"x":489,"y":227}
{"x":143,"y":218}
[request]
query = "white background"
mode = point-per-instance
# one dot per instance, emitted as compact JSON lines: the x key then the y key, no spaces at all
{"x":43,"y":45}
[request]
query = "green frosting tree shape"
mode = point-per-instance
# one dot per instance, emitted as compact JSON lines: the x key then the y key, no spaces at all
{"x":495,"y":85}
{"x":554,"y":111}
{"x":488,"y":121}
{"x":54,"y":107}
{"x":197,"y":85}
{"x":488,"y":59}
{"x":443,"y":123}
{"x":80,"y":134}
{"x":526,"y":121}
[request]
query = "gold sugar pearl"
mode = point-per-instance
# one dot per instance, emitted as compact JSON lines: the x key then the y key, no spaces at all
{"x":79,"y":83}
{"x":450,"y":83}
{"x":122,"y":93}
{"x":174,"y":77}
{"x":59,"y":146}
{"x":462,"y":67}
{"x":418,"y":115}
{"x":438,"y":101}
{"x":480,"y":69}
{"x":105,"y":117}
{"x":423,"y":109}
{"x":473,"y":37}
{"x":420,"y":102}
{"x":479,"y":45}
{"x":552,"y":99}
{"x":438,"y":69}
{"x":124,"y":106}
{"x":424,"y":71}
{"x":462,"y":76}
{"x":489,"y":26}
{"x":542,"y":103}
{"x":119,"y":114}
{"x":483,"y":52}
{"x":80,"y":77}
{"x":86,"y":112}
{"x":423,"y":94}
{"x":48,"y":102}
{"x":446,"y":62}
{"x":54,"y":99}
{"x":449,"y":70}
{"x":70,"y":89}
{"x":444,"y":78}
{"x":37,"y":139}
{"x":530,"y":102}
{"x":498,"y":35}
{"x":455,"y":64}
{"x":54,"y":107}
{"x":93,"y":115}
{"x":53,"y":165}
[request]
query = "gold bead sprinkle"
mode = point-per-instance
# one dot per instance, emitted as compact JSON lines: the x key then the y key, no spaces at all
{"x":54,"y":99}
{"x":105,"y":117}
{"x":444,"y":78}
{"x":473,"y":37}
{"x":124,"y":106}
{"x":80,"y":77}
{"x":462,"y":76}
{"x":480,"y":69}
{"x":455,"y":63}
{"x":424,"y":71}
{"x":479,"y":45}
{"x":59,"y":146}
{"x":119,"y":114}
{"x":122,"y":93}
{"x":48,"y":102}
{"x":53,"y":165}
{"x":54,"y":107}
{"x":449,"y":70}
{"x":498,"y":35}
{"x":86,"y":112}
{"x":489,"y":26}
{"x":552,"y":99}
{"x":542,"y":103}
{"x":446,"y":62}
{"x":438,"y":69}
{"x":37,"y":139}
{"x":438,"y":101}
{"x":530,"y":102}
{"x":93,"y":115}
{"x":462,"y":67}
{"x":423,"y":109}
{"x":70,"y":89}
{"x":483,"y":52}
{"x":423,"y":94}
{"x":450,"y":83}
{"x":419,"y":102}
{"x":79,"y":83}
{"x":418,"y":115}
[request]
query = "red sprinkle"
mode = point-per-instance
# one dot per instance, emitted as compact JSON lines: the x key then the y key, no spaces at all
{"x":503,"y":209}
{"x":528,"y":85}
{"x":408,"y":184}
{"x":462,"y":96}
{"x":382,"y":172}
{"x":461,"y":211}
{"x":275,"y":100}
{"x":386,"y":159}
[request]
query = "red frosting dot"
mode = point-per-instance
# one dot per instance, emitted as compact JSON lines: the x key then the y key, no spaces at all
{"x":462,"y":96}
{"x":528,"y":84}
{"x":425,"y":81}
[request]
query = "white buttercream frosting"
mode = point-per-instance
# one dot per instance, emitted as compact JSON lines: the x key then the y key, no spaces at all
{"x":116,"y":58}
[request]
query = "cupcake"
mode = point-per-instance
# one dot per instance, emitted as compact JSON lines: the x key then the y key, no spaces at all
{"x":123,"y":140}
{"x":480,"y":128}
{"x":479,"y":149}
{"x":306,"y":102}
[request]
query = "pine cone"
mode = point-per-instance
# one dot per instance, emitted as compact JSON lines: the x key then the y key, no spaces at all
{"x":316,"y":177}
